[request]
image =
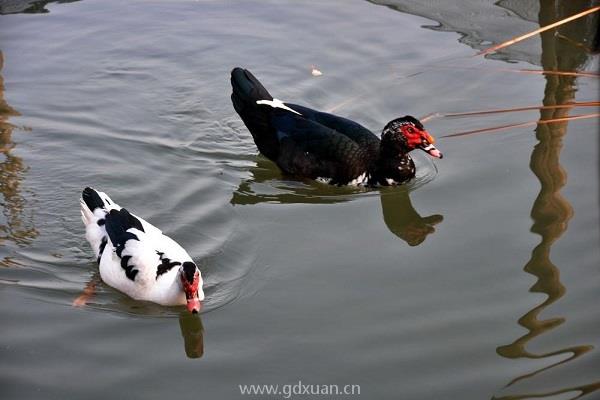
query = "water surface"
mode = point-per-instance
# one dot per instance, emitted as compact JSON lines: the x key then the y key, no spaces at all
{"x":478,"y":280}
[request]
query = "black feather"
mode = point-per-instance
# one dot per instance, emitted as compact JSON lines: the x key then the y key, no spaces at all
{"x":125,"y":262}
{"x":102,"y":246}
{"x":189,"y":271}
{"x":129,"y":271}
{"x":310,"y":149}
{"x":165,"y":264}
{"x":122,"y":241}
{"x":92,"y":199}
{"x":117,"y":223}
{"x":246,"y":91}
{"x":247,"y":88}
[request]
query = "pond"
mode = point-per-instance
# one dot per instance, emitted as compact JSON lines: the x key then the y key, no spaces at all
{"x":477,"y":280}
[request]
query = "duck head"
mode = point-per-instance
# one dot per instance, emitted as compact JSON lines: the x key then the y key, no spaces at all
{"x":191,"y":280}
{"x":405,"y":134}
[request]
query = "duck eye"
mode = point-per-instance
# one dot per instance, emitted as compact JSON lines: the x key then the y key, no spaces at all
{"x":411,"y":130}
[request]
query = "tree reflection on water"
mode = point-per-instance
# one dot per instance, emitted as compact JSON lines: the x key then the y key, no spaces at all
{"x":17,"y":223}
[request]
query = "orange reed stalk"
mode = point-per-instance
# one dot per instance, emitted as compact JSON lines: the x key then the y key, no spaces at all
{"x":543,"y":29}
{"x":507,"y":110}
{"x":564,"y":73}
{"x":523,"y":124}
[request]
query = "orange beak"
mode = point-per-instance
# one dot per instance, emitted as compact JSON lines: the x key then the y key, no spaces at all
{"x":429,"y":138}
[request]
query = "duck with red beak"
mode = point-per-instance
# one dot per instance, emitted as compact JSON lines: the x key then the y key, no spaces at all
{"x":191,"y":282}
{"x":136,"y":258}
{"x":328,"y":148}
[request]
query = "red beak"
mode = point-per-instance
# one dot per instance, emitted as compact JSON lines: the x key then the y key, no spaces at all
{"x":193,"y":305}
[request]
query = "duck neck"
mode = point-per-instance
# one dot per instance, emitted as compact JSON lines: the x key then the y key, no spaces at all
{"x":390,"y":148}
{"x":393,"y":165}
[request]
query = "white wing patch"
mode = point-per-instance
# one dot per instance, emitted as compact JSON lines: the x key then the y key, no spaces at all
{"x":359,"y":180}
{"x":276,"y":103}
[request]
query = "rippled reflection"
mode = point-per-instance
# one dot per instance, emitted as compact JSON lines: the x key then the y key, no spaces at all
{"x":403,"y":220}
{"x":190,"y":325}
{"x":268,"y":185}
{"x":193,"y":334}
{"x":16,"y":224}
{"x":551,"y":212}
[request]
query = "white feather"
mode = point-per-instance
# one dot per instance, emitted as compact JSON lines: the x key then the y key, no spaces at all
{"x":359,"y":180}
{"x":323,"y":180}
{"x":276,"y":103}
{"x":165,"y":289}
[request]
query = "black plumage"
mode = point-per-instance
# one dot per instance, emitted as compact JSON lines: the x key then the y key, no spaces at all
{"x":117,"y":223}
{"x":92,"y":199}
{"x":189,"y":271}
{"x":310,"y":144}
{"x":101,"y":249}
{"x":165,"y":264}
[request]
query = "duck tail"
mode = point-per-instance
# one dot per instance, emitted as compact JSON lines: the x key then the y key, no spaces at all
{"x":94,"y":220}
{"x":91,"y":200}
{"x":247,"y":90}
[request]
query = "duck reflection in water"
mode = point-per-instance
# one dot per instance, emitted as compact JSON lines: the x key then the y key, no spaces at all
{"x":399,"y":215}
{"x":190,"y":325}
{"x":403,"y":220}
{"x":192,"y":331}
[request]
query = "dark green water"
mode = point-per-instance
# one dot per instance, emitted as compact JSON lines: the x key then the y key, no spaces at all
{"x":480,"y":280}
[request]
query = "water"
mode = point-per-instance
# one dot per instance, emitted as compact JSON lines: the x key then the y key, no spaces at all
{"x":478,"y":280}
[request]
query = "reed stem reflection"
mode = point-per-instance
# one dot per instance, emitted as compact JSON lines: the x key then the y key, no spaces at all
{"x":16,"y":226}
{"x":551,"y":212}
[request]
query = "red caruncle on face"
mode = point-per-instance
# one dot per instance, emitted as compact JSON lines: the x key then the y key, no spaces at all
{"x":191,"y":288}
{"x":415,"y":136}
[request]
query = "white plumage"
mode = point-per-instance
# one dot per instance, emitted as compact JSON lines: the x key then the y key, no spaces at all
{"x":276,"y":103}
{"x":136,"y":258}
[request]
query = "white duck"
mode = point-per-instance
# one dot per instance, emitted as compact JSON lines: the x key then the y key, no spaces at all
{"x":136,"y":258}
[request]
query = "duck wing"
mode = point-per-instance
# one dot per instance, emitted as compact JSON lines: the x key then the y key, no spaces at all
{"x":353,"y":130}
{"x":132,"y":245}
{"x":310,"y":149}
{"x":140,"y":249}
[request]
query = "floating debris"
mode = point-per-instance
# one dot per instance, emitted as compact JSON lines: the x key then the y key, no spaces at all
{"x":314,"y":71}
